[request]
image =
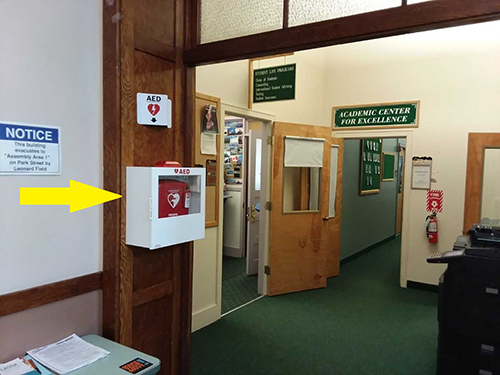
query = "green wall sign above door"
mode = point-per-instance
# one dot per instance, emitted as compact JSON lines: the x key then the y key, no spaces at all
{"x":383,"y":115}
{"x":276,"y":83}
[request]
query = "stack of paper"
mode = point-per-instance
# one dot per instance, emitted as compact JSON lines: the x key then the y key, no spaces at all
{"x":16,"y":367}
{"x":68,"y":354}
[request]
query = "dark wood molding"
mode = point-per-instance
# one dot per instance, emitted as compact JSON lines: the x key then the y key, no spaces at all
{"x":154,"y":47}
{"x":147,"y":295}
{"x":42,"y":295}
{"x":111,"y":167}
{"x":389,"y":22}
{"x":286,"y":8}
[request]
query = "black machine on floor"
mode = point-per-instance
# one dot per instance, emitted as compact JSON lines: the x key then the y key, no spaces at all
{"x":469,"y":304}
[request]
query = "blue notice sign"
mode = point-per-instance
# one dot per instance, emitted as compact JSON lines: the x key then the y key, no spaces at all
{"x":29,"y":150}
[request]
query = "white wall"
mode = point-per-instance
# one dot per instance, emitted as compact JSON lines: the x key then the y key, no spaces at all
{"x":229,"y":81}
{"x":51,"y":74}
{"x":454,"y":72}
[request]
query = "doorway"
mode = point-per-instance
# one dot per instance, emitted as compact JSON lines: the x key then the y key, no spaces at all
{"x":245,"y":169}
{"x":402,"y":142}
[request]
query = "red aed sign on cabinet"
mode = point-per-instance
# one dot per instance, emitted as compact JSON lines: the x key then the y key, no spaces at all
{"x":435,"y":201}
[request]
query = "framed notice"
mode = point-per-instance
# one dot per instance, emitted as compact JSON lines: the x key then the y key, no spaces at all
{"x":381,"y":115}
{"x":421,"y":173}
{"x":211,"y":172}
{"x":274,"y":83}
{"x":388,"y":165}
{"x":370,"y":166}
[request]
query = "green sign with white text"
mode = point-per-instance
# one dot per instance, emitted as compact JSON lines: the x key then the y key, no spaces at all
{"x":377,"y":115}
{"x":276,"y":83}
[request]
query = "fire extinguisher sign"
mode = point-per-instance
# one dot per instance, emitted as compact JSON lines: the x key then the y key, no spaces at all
{"x":434,"y":201}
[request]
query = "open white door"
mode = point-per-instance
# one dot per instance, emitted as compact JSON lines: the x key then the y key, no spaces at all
{"x":254,"y":200}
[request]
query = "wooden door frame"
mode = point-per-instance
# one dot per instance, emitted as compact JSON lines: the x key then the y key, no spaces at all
{"x":395,"y":21}
{"x":405,"y":232}
{"x":477,"y":144}
{"x":267,"y":119}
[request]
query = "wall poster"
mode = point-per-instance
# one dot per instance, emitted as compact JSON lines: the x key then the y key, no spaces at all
{"x":421,"y":173}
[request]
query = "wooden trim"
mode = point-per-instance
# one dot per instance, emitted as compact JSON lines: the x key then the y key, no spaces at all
{"x":286,"y":10}
{"x":154,"y":47}
{"x":211,"y":224}
{"x":209,"y":98}
{"x":250,"y":83}
{"x":424,"y":16}
{"x":152,"y":293}
{"x":42,"y":295}
{"x":477,"y":143}
{"x":219,"y":157}
{"x":111,"y":170}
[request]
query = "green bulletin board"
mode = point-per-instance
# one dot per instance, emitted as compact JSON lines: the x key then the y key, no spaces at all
{"x":276,"y":83}
{"x":388,"y":166}
{"x":371,"y":166}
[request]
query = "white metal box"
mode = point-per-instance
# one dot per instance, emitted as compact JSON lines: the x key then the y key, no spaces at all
{"x":144,"y":227}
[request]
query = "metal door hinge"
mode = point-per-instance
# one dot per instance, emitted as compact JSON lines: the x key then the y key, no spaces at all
{"x":267,"y":270}
{"x":268,"y":206}
{"x":270,"y":140}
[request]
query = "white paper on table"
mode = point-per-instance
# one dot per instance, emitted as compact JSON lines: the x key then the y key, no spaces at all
{"x":68,"y":354}
{"x":209,"y":143}
{"x":15,"y":367}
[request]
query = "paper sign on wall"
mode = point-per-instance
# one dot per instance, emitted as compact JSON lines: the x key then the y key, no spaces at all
{"x":29,"y":150}
{"x":435,"y":201}
{"x":154,"y":109}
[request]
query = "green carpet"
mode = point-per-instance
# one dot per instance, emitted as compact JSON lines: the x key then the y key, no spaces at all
{"x":237,"y":287}
{"x":362,"y":323}
{"x":232,"y":267}
{"x":237,"y":291}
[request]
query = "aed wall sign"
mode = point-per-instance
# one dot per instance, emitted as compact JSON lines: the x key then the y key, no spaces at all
{"x":29,"y":150}
{"x":276,"y":83}
{"x":154,"y":109}
{"x":382,"y":115}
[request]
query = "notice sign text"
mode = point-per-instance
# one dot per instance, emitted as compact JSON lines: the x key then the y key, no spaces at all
{"x":29,"y":150}
{"x":376,"y":115}
{"x":276,"y":83}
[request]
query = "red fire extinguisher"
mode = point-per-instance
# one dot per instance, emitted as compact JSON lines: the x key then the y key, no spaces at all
{"x":431,"y":228}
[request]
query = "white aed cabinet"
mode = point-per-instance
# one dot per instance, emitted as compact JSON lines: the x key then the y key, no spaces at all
{"x":145,"y":228}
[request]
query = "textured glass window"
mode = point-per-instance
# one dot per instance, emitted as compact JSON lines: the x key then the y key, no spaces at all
{"x":226,"y":19}
{"x":308,"y":11}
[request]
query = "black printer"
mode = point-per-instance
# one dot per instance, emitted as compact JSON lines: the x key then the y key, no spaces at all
{"x":469,"y":304}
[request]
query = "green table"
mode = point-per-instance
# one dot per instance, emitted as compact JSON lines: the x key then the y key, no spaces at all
{"x":119,"y":355}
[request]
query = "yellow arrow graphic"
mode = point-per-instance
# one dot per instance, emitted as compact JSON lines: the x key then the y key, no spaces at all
{"x":78,"y":196}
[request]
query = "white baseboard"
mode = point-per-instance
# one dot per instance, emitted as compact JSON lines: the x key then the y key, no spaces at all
{"x":233,"y":252}
{"x":205,"y":317}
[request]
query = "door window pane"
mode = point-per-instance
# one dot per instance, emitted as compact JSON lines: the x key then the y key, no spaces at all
{"x":301,"y":189}
{"x":258,"y":162}
{"x":226,"y":19}
{"x":490,"y":204}
{"x":308,"y":11}
{"x":333,"y":181}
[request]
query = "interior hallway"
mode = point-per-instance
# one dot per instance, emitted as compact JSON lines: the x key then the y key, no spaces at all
{"x":362,"y":323}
